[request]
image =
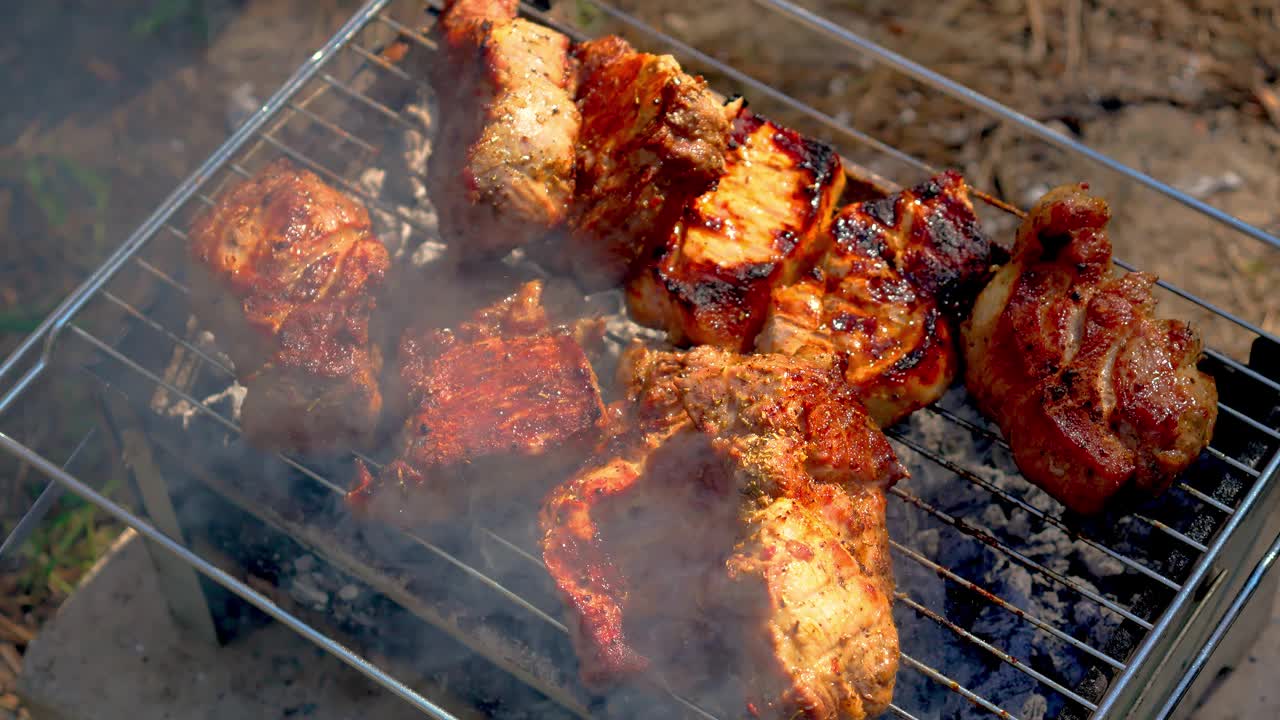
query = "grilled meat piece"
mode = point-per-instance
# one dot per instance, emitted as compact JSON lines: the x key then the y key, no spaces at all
{"x":884,"y":296}
{"x":502,"y":407}
{"x":740,"y":519}
{"x":286,"y":272}
{"x":762,"y":226}
{"x":652,"y":139}
{"x":502,"y":171}
{"x":1091,"y":390}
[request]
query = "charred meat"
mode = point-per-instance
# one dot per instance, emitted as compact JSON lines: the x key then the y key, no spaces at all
{"x":1092,"y":391}
{"x":286,"y":272}
{"x":884,"y":297}
{"x":502,"y":171}
{"x":763,"y":225}
{"x":503,"y":396}
{"x":741,"y":517}
{"x":652,"y":139}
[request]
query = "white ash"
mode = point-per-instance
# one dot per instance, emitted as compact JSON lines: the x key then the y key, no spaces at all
{"x":242,"y":104}
{"x":1040,"y":597}
{"x":303,"y":589}
{"x":1204,"y":186}
{"x":406,"y":222}
{"x":1035,"y":708}
{"x":233,"y":395}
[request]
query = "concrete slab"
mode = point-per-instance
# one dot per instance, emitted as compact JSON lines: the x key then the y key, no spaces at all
{"x":113,"y":653}
{"x":1252,"y":689}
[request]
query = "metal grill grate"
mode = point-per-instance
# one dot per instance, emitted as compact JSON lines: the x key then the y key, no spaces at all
{"x":1164,"y":553}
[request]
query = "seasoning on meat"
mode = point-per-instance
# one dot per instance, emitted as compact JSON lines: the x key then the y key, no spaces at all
{"x":762,"y":226}
{"x":731,"y":538}
{"x":898,"y":273}
{"x":502,"y":170}
{"x":501,"y":408}
{"x":286,"y":273}
{"x":1092,"y":391}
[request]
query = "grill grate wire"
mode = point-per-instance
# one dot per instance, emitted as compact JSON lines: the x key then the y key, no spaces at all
{"x":295,"y":110}
{"x":901,"y":439}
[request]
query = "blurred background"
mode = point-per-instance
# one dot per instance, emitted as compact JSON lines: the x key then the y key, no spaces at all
{"x":110,"y":105}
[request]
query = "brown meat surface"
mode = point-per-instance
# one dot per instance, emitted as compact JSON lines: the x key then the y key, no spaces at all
{"x":502,"y":172}
{"x":1091,"y":390}
{"x":286,"y":272}
{"x":886,"y":296}
{"x":762,"y":226}
{"x":731,"y":539}
{"x":502,"y":407}
{"x":652,"y":139}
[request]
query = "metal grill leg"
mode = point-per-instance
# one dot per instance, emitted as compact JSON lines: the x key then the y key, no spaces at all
{"x":178,"y":581}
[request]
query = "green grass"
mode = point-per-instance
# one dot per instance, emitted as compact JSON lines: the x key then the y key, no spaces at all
{"x":72,"y":198}
{"x":73,"y":201}
{"x":63,"y":548}
{"x":21,"y":320}
{"x":166,"y":14}
{"x":586,"y":16}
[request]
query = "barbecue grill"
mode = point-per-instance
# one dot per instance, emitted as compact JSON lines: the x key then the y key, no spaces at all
{"x":1006,"y":604}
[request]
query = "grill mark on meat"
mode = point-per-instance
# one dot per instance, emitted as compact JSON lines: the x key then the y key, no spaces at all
{"x":895,"y":272}
{"x":761,"y":226}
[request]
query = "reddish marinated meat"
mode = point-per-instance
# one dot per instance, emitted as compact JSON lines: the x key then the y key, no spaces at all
{"x":502,"y":408}
{"x":653,"y":138}
{"x":734,"y":529}
{"x":885,"y":296}
{"x":286,"y":273}
{"x":1091,"y":390}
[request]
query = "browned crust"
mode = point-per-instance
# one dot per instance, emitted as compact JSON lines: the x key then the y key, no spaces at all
{"x":706,"y":298}
{"x":652,"y":138}
{"x":1091,"y":390}
{"x":287,"y":273}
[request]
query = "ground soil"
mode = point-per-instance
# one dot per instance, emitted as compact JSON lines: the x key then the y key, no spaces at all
{"x":111,"y":104}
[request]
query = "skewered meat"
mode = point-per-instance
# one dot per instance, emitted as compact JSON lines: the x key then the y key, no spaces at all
{"x":1091,"y":390}
{"x":883,"y":297}
{"x":503,"y":396}
{"x":740,"y":516}
{"x":502,"y":170}
{"x":652,"y":139}
{"x":286,"y":273}
{"x":763,"y":225}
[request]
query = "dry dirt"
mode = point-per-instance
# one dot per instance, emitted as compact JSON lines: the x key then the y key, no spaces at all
{"x":109,"y":106}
